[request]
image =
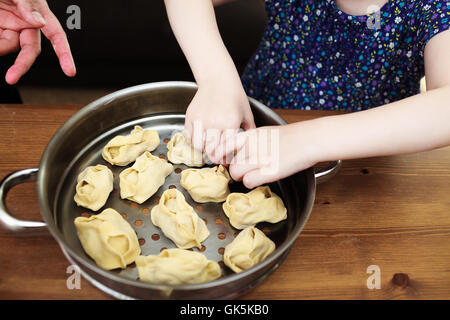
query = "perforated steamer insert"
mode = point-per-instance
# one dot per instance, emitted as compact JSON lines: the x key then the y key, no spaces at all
{"x":79,"y":143}
{"x":151,"y":238}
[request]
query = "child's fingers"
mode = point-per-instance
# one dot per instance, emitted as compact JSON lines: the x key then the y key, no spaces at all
{"x":248,"y":125}
{"x":198,"y":135}
{"x":257,"y":177}
{"x":230,"y":143}
{"x":198,"y":141}
{"x":212,"y":141}
{"x":187,"y":132}
{"x":249,"y":122}
{"x":241,"y":165}
{"x":219,"y":156}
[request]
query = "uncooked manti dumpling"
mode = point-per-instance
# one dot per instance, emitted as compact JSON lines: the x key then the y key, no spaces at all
{"x":143,"y":179}
{"x":258,"y":205}
{"x":180,"y":150}
{"x":122,"y":150}
{"x":108,"y":239}
{"x":250,"y":247}
{"x":178,"y":220}
{"x":94,"y":184}
{"x":206,"y":184}
{"x":177,"y":266}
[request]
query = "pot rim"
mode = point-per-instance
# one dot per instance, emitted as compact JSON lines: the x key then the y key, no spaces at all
{"x":47,"y":212}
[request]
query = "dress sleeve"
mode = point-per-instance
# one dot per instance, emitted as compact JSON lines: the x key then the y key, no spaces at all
{"x":433,"y":17}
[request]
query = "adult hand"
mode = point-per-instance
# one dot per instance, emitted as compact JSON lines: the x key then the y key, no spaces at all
{"x":20,"y":24}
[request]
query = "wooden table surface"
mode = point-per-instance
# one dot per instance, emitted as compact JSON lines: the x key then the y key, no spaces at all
{"x":392,"y":212}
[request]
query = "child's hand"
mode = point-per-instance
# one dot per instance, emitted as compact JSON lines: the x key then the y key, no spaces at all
{"x":220,"y":102}
{"x":268,"y":154}
{"x":214,"y":109}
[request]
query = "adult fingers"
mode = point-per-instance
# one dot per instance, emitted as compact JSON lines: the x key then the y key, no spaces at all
{"x":9,"y":41}
{"x":30,"y":43}
{"x":8,"y":20}
{"x":30,"y":12}
{"x":55,"y":33}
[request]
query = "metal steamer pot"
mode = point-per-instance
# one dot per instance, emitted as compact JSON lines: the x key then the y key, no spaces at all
{"x":78,"y":144}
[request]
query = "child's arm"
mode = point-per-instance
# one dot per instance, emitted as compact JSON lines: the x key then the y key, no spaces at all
{"x":221,"y":102}
{"x":415,"y":124}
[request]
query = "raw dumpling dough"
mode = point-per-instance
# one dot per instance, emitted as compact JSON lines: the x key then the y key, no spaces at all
{"x":250,"y":247}
{"x":178,"y":220}
{"x":207,"y":184}
{"x":144,"y":178}
{"x":108,"y":239}
{"x":177,"y":266}
{"x":122,"y":150}
{"x":94,"y":184}
{"x":258,"y":205}
{"x":180,"y":150}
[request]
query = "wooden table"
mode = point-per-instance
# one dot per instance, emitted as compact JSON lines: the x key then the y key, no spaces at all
{"x":392,"y":212}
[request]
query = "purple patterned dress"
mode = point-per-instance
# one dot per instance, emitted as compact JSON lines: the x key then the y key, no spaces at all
{"x":314,"y":56}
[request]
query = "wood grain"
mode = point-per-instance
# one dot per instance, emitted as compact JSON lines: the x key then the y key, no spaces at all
{"x":393,"y":212}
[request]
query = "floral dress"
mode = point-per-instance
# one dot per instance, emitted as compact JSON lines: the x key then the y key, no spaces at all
{"x":315,"y":56}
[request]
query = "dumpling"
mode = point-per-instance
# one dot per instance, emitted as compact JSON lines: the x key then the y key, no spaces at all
{"x":108,"y":239}
{"x":178,"y":220}
{"x":258,"y":205}
{"x":177,"y":266}
{"x":206,"y":184}
{"x":94,"y":184}
{"x":180,"y":150}
{"x":143,"y":179}
{"x":122,"y":150}
{"x":250,"y":247}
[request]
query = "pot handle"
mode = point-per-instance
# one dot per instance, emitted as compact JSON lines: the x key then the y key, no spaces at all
{"x":8,"y":221}
{"x":329,"y":172}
